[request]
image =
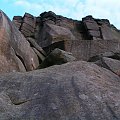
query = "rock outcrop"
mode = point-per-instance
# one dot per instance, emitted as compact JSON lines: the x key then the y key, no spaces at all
{"x":73,"y":91}
{"x":110,"y":64}
{"x":92,"y":28}
{"x":15,"y":51}
{"x":64,"y":87}
{"x":84,"y":39}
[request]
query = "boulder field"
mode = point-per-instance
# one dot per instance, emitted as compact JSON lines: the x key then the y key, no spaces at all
{"x":57,"y":68}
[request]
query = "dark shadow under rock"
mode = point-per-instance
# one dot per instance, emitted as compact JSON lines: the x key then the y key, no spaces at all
{"x":57,"y":57}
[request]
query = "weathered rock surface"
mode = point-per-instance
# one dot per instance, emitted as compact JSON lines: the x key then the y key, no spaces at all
{"x":57,"y":57}
{"x":110,"y":64}
{"x":28,"y":25}
{"x":73,"y":91}
{"x":84,"y":39}
{"x":92,"y":27}
{"x":15,"y":50}
{"x":40,"y":56}
{"x":76,"y":90}
{"x":51,"y":33}
{"x":85,"y":49}
{"x":106,"y":54}
{"x":34,"y":44}
{"x":17,"y":20}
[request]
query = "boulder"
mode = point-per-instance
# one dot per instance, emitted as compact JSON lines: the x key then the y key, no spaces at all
{"x":73,"y":91}
{"x":107,"y":33}
{"x":28,"y":25}
{"x":20,"y":64}
{"x":110,"y":64}
{"x":12,"y":44}
{"x":91,"y":27}
{"x":17,"y":20}
{"x":103,"y":21}
{"x":57,"y":57}
{"x":48,"y":16}
{"x":40,"y":55}
{"x":52,"y":33}
{"x":113,"y":55}
{"x":29,"y":19}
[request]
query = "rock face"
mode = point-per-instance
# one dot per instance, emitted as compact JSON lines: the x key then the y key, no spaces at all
{"x":84,"y":39}
{"x":76,"y":90}
{"x":15,"y":50}
{"x":53,"y":33}
{"x":72,"y":91}
{"x":92,"y":27}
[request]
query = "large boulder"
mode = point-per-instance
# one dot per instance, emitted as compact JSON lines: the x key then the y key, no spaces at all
{"x":73,"y":91}
{"x":28,"y":25}
{"x":52,"y":33}
{"x":113,"y":55}
{"x":91,"y":27}
{"x":110,"y":64}
{"x":48,"y":16}
{"x":15,"y":50}
{"x":57,"y":57}
{"x":18,"y":20}
{"x":100,"y":29}
{"x":108,"y":33}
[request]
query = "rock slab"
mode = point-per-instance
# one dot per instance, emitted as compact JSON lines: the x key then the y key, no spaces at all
{"x":73,"y":91}
{"x":14,"y":48}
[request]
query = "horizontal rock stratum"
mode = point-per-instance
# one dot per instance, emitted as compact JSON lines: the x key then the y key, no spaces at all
{"x":42,"y":72}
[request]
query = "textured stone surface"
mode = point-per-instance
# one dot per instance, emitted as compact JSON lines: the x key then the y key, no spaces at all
{"x":107,"y":33}
{"x":13,"y":43}
{"x":85,"y":49}
{"x":53,"y":33}
{"x":110,"y":64}
{"x":88,"y":28}
{"x":39,"y":54}
{"x":113,"y":55}
{"x":91,"y":27}
{"x":17,"y":20}
{"x":76,"y":90}
{"x":57,"y":57}
{"x":35,"y":45}
{"x":73,"y":91}
{"x":26,"y":24}
{"x":50,"y":29}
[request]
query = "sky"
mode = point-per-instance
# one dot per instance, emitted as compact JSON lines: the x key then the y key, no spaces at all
{"x":75,"y":9}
